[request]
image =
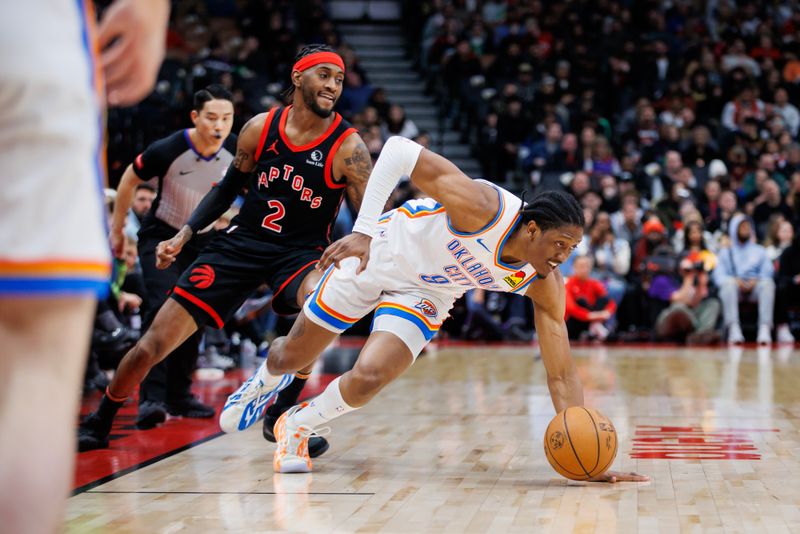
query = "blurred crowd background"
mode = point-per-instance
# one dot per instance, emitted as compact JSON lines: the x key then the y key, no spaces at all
{"x":673,"y":122}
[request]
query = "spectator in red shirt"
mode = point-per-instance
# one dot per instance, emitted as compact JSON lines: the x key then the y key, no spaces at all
{"x":588,"y":305}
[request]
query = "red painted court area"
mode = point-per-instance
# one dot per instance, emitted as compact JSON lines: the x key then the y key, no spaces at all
{"x":131,"y":449}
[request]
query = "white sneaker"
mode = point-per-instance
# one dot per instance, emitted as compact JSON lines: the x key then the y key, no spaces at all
{"x":784,"y":334}
{"x":212,"y":359}
{"x":735,"y":335}
{"x":599,"y":331}
{"x":247,"y":404}
{"x":764,"y":335}
{"x":292,"y":456}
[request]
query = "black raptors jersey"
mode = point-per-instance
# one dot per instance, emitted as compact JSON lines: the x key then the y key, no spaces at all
{"x":292,"y":197}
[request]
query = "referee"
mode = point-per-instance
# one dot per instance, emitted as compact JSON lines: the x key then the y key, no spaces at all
{"x":182,"y":167}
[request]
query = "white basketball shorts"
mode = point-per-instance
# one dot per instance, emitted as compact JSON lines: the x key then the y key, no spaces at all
{"x":52,"y":220}
{"x":403,"y":306}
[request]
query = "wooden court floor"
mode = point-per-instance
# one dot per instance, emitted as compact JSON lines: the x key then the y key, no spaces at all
{"x":455,"y":445}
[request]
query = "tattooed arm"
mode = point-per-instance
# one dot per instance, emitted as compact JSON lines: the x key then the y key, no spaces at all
{"x":355,"y":164}
{"x":219,"y":198}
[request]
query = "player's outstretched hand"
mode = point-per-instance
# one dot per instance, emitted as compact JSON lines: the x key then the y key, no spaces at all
{"x":616,"y":476}
{"x":132,"y":38}
{"x":354,"y":245}
{"x":166,"y":252}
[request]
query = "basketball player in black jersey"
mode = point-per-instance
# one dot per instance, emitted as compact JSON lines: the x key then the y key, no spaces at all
{"x":184,"y":165}
{"x":296,"y":163}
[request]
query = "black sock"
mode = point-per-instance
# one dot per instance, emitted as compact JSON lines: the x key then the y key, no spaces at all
{"x":288,"y":396}
{"x":107,"y":411}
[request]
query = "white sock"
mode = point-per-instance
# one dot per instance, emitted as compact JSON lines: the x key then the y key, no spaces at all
{"x":323,"y":408}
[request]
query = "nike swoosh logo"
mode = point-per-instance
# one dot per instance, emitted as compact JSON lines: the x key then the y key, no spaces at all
{"x":182,"y":173}
{"x":480,"y":242}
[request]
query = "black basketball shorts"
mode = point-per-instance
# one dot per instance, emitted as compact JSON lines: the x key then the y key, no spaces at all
{"x":233,"y":266}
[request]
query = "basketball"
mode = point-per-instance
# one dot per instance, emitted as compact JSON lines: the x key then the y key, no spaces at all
{"x":580,"y":443}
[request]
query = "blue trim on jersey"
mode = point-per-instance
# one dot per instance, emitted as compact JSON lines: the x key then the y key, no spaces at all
{"x":499,"y":254}
{"x":419,"y":209}
{"x":54,"y":286}
{"x":487,"y":226}
{"x":197,"y":153}
{"x":386,"y":216}
{"x":327,"y":317}
{"x":100,"y":174}
{"x":335,"y":322}
{"x":426,"y":332}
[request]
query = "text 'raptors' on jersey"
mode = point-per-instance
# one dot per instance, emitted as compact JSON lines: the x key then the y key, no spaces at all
{"x":292,"y":197}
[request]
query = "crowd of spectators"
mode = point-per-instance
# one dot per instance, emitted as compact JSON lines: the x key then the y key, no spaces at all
{"x":249,"y":48}
{"x":666,"y":119}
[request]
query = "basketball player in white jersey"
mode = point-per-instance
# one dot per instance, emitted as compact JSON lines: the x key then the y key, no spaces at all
{"x":54,"y":258}
{"x":410,"y":265}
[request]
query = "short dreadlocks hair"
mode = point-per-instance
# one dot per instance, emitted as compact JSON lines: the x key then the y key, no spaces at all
{"x":305,"y":51}
{"x":552,"y":209}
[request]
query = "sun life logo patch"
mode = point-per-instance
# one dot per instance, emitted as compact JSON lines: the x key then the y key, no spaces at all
{"x":316,"y":158}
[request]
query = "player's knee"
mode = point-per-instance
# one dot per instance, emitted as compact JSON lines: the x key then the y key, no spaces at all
{"x":283,"y":355}
{"x":365,"y":382}
{"x":150,"y":349}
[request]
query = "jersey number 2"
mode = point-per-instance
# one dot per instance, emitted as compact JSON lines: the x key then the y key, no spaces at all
{"x":269,"y":220}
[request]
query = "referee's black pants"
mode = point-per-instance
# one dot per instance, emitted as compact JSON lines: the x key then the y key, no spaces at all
{"x":171,"y":379}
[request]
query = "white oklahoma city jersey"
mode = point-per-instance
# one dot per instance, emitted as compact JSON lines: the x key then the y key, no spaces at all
{"x":419,"y":265}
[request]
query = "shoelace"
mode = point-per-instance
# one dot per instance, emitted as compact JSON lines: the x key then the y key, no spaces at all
{"x":305,"y":433}
{"x":251,"y":391}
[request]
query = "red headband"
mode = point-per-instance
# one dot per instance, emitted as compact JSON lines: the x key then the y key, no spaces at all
{"x":316,"y":58}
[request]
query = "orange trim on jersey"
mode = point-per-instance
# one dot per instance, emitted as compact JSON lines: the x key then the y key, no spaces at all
{"x":410,"y":215}
{"x":411,"y":311}
{"x":331,"y":155}
{"x":497,"y":218}
{"x":200,"y":304}
{"x":327,"y":308}
{"x":501,"y":243}
{"x":312,"y":144}
{"x":90,"y":25}
{"x":55,"y":267}
{"x":264,"y":131}
{"x":91,"y":29}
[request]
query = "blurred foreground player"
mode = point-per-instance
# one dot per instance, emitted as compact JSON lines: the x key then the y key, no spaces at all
{"x":54,"y":259}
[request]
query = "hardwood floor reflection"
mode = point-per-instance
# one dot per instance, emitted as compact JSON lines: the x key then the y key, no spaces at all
{"x":455,"y":445}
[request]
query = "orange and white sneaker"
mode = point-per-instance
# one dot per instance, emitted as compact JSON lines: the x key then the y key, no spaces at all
{"x":291,"y":456}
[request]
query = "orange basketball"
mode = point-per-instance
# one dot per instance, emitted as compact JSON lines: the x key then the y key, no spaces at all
{"x":580,"y":443}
